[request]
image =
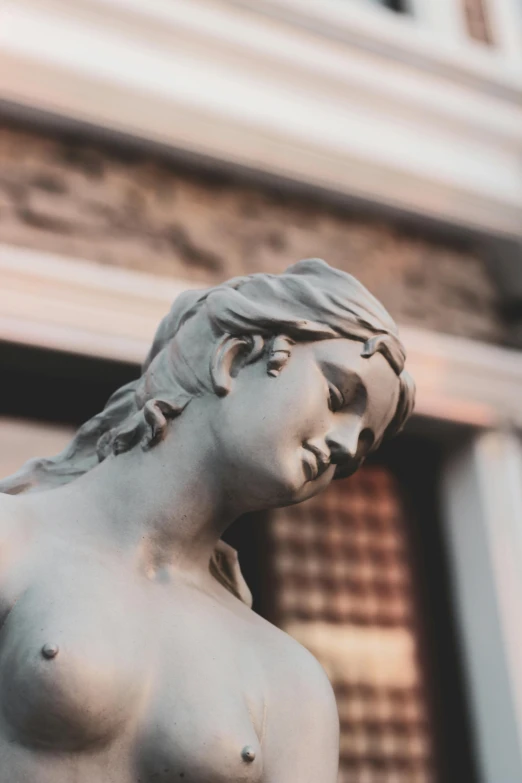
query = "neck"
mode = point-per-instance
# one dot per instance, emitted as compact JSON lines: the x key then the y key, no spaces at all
{"x":165,"y":506}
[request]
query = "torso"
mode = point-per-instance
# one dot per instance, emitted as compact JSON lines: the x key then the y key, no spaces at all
{"x":102,"y":669}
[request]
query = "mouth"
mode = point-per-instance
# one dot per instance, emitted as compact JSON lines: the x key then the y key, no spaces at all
{"x":315,"y":462}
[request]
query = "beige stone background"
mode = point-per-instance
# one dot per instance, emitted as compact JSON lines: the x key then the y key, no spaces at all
{"x":125,"y":208}
{"x":21,"y":439}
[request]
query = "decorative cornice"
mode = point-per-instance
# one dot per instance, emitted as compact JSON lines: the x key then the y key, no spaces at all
{"x":86,"y":308}
{"x":353,"y":101}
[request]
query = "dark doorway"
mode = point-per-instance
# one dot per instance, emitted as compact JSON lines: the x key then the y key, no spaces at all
{"x":57,"y":387}
{"x":396,"y":5}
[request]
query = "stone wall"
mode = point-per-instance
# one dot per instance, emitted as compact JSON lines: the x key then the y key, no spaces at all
{"x":124,"y":208}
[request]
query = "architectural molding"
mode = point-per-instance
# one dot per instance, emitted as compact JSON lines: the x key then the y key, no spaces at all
{"x":79,"y":306}
{"x":432,"y":37}
{"x":506,"y":21}
{"x":444,"y":18}
{"x":28,"y":438}
{"x":87,"y":308}
{"x":340,"y":96}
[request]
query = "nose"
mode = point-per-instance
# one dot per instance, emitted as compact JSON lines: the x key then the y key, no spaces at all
{"x":343,"y":442}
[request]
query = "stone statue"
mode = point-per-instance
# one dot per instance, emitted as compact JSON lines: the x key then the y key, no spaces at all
{"x":128,"y":650}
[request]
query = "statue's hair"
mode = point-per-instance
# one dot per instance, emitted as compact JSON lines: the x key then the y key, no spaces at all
{"x":265,"y":314}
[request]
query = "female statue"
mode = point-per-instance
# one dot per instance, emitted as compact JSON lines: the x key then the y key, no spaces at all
{"x":126,"y":652}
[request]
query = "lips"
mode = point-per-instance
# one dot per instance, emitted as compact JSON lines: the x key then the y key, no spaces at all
{"x":315,"y":461}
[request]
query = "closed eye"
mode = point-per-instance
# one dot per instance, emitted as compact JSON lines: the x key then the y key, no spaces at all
{"x":336,"y":399}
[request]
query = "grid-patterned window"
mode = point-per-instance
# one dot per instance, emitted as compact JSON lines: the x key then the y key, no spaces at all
{"x":344,"y":589}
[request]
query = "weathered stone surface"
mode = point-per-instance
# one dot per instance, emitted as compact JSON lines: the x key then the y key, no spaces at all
{"x":122,"y":208}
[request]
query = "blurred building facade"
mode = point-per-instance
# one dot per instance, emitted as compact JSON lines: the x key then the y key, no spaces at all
{"x":147,"y":148}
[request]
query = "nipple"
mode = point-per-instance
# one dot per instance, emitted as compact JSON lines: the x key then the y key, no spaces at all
{"x":248,"y":753}
{"x":50,"y":651}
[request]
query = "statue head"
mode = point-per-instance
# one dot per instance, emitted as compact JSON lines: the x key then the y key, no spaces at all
{"x":302,"y":376}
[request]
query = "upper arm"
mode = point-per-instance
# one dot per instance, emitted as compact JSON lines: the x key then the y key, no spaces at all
{"x":301,"y":743}
{"x":9,"y":525}
{"x":6,"y":516}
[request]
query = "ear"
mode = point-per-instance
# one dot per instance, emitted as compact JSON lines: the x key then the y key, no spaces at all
{"x":157,"y":414}
{"x":230,"y":356}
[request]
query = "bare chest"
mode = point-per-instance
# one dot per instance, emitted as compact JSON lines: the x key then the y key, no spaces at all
{"x":90,"y":662}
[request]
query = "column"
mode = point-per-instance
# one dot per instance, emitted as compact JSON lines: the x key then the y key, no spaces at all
{"x":482,"y":492}
{"x":506,"y":25}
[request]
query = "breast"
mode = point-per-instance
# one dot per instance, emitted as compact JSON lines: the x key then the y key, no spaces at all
{"x":205,"y":712}
{"x":212,"y":742}
{"x":71,"y":674}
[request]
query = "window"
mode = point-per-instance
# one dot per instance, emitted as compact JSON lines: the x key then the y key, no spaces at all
{"x":49,"y":394}
{"x":394,"y":5}
{"x":359,"y":577}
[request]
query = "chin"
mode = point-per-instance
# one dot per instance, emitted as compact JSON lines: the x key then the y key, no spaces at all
{"x":308,"y":489}
{"x":264,"y":490}
{"x":277,"y":488}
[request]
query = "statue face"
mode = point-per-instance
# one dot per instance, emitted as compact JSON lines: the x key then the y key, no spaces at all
{"x":281,"y":440}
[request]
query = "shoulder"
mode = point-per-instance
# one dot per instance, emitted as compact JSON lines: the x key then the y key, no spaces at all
{"x":302,"y":728}
{"x":12,"y":517}
{"x":293,"y":675}
{"x":303,"y":674}
{"x":9,"y":511}
{"x":294,"y":672}
{"x":286,"y":662}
